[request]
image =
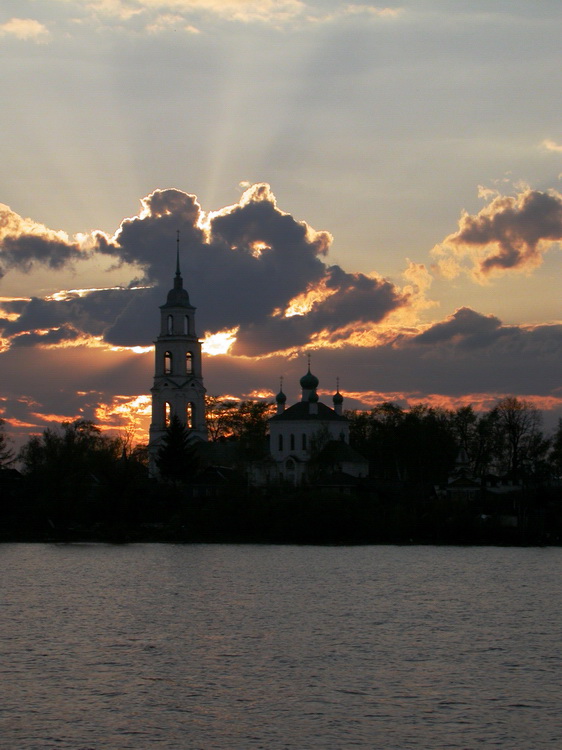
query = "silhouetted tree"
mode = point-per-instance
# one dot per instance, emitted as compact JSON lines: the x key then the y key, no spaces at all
{"x":219,"y":415}
{"x":518,"y":433}
{"x":76,"y":450}
{"x":555,"y":456}
{"x":375,"y":434}
{"x":6,"y":453}
{"x":177,"y":459}
{"x":249,"y":425}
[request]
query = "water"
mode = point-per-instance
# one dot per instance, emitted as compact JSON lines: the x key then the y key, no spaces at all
{"x":309,"y":648}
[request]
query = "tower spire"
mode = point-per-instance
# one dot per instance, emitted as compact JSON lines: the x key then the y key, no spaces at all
{"x":178,"y":253}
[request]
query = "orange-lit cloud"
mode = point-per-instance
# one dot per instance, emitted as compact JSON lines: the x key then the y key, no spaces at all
{"x":512,"y":233}
{"x":305,"y":302}
{"x":480,"y":402}
{"x":218,"y":343}
{"x":131,"y":413}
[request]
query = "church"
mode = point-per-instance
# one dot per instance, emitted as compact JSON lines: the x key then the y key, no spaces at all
{"x":303,"y":436}
{"x":311,"y":435}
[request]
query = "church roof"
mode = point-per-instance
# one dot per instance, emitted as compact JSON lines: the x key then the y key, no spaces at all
{"x":301,"y":412}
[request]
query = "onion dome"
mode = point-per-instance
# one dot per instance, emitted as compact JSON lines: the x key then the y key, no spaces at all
{"x":337,"y":399}
{"x":309,"y":381}
{"x":280,"y":398}
{"x":313,"y":397}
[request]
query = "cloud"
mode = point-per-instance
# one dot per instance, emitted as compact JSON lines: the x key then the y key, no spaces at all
{"x":465,"y":328}
{"x":157,"y":16}
{"x":510,"y":234}
{"x":245,"y":11}
{"x":54,"y":336}
{"x":24,"y":242}
{"x":465,"y":358}
{"x":25,"y":29}
{"x":243,"y":266}
{"x":86,"y":315}
{"x":550,"y":145}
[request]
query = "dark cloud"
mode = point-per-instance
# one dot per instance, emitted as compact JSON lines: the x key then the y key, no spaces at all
{"x":519,"y":229}
{"x":54,"y":336}
{"x":241,"y":265}
{"x":465,"y":328}
{"x":356,"y":298}
{"x":24,"y":243}
{"x":91,"y":313}
{"x":75,"y":380}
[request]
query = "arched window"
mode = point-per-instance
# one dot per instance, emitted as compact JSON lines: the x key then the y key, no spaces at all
{"x":167,"y":363}
{"x":190,"y":416}
{"x":189,"y":363}
{"x":292,"y":442}
{"x":304,"y":441}
{"x":186,"y":323}
{"x":167,"y":414}
{"x":170,"y":324}
{"x":280,"y":442}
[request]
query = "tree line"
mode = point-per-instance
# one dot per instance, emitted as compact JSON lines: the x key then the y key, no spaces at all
{"x":422,"y":444}
{"x":418,"y":444}
{"x":79,"y":481}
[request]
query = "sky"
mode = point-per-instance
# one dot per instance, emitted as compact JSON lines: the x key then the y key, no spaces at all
{"x":376,"y":186}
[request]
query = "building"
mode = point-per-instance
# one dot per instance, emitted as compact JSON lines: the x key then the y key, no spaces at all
{"x":310,"y":437}
{"x":178,"y":388}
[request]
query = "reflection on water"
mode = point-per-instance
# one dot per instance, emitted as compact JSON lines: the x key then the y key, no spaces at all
{"x":243,"y":647}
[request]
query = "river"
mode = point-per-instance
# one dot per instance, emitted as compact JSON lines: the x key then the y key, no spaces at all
{"x":243,"y":647}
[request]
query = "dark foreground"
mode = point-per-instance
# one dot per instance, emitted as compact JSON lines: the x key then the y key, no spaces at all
{"x":164,"y":513}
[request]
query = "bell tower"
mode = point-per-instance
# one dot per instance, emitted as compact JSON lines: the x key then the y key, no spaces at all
{"x":178,"y":388}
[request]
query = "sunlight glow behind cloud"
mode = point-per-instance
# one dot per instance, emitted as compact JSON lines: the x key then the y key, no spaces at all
{"x":219,"y":343}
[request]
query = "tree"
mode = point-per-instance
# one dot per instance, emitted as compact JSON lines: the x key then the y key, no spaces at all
{"x":219,"y":415}
{"x":519,"y":425}
{"x":555,"y":457}
{"x":77,"y":450}
{"x":6,"y":453}
{"x":375,"y":434}
{"x":177,"y":460}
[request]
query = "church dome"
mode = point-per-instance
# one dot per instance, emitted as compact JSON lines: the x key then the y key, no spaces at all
{"x":337,"y":399}
{"x":178,"y":297}
{"x":309,"y":381}
{"x":280,"y":398}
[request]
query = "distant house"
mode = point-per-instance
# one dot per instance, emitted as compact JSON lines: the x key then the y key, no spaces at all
{"x":461,"y":484}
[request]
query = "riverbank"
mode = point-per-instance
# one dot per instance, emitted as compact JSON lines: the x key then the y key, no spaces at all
{"x":304,"y":517}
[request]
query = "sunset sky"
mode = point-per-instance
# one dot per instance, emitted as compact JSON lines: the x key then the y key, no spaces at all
{"x":377,"y":185}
